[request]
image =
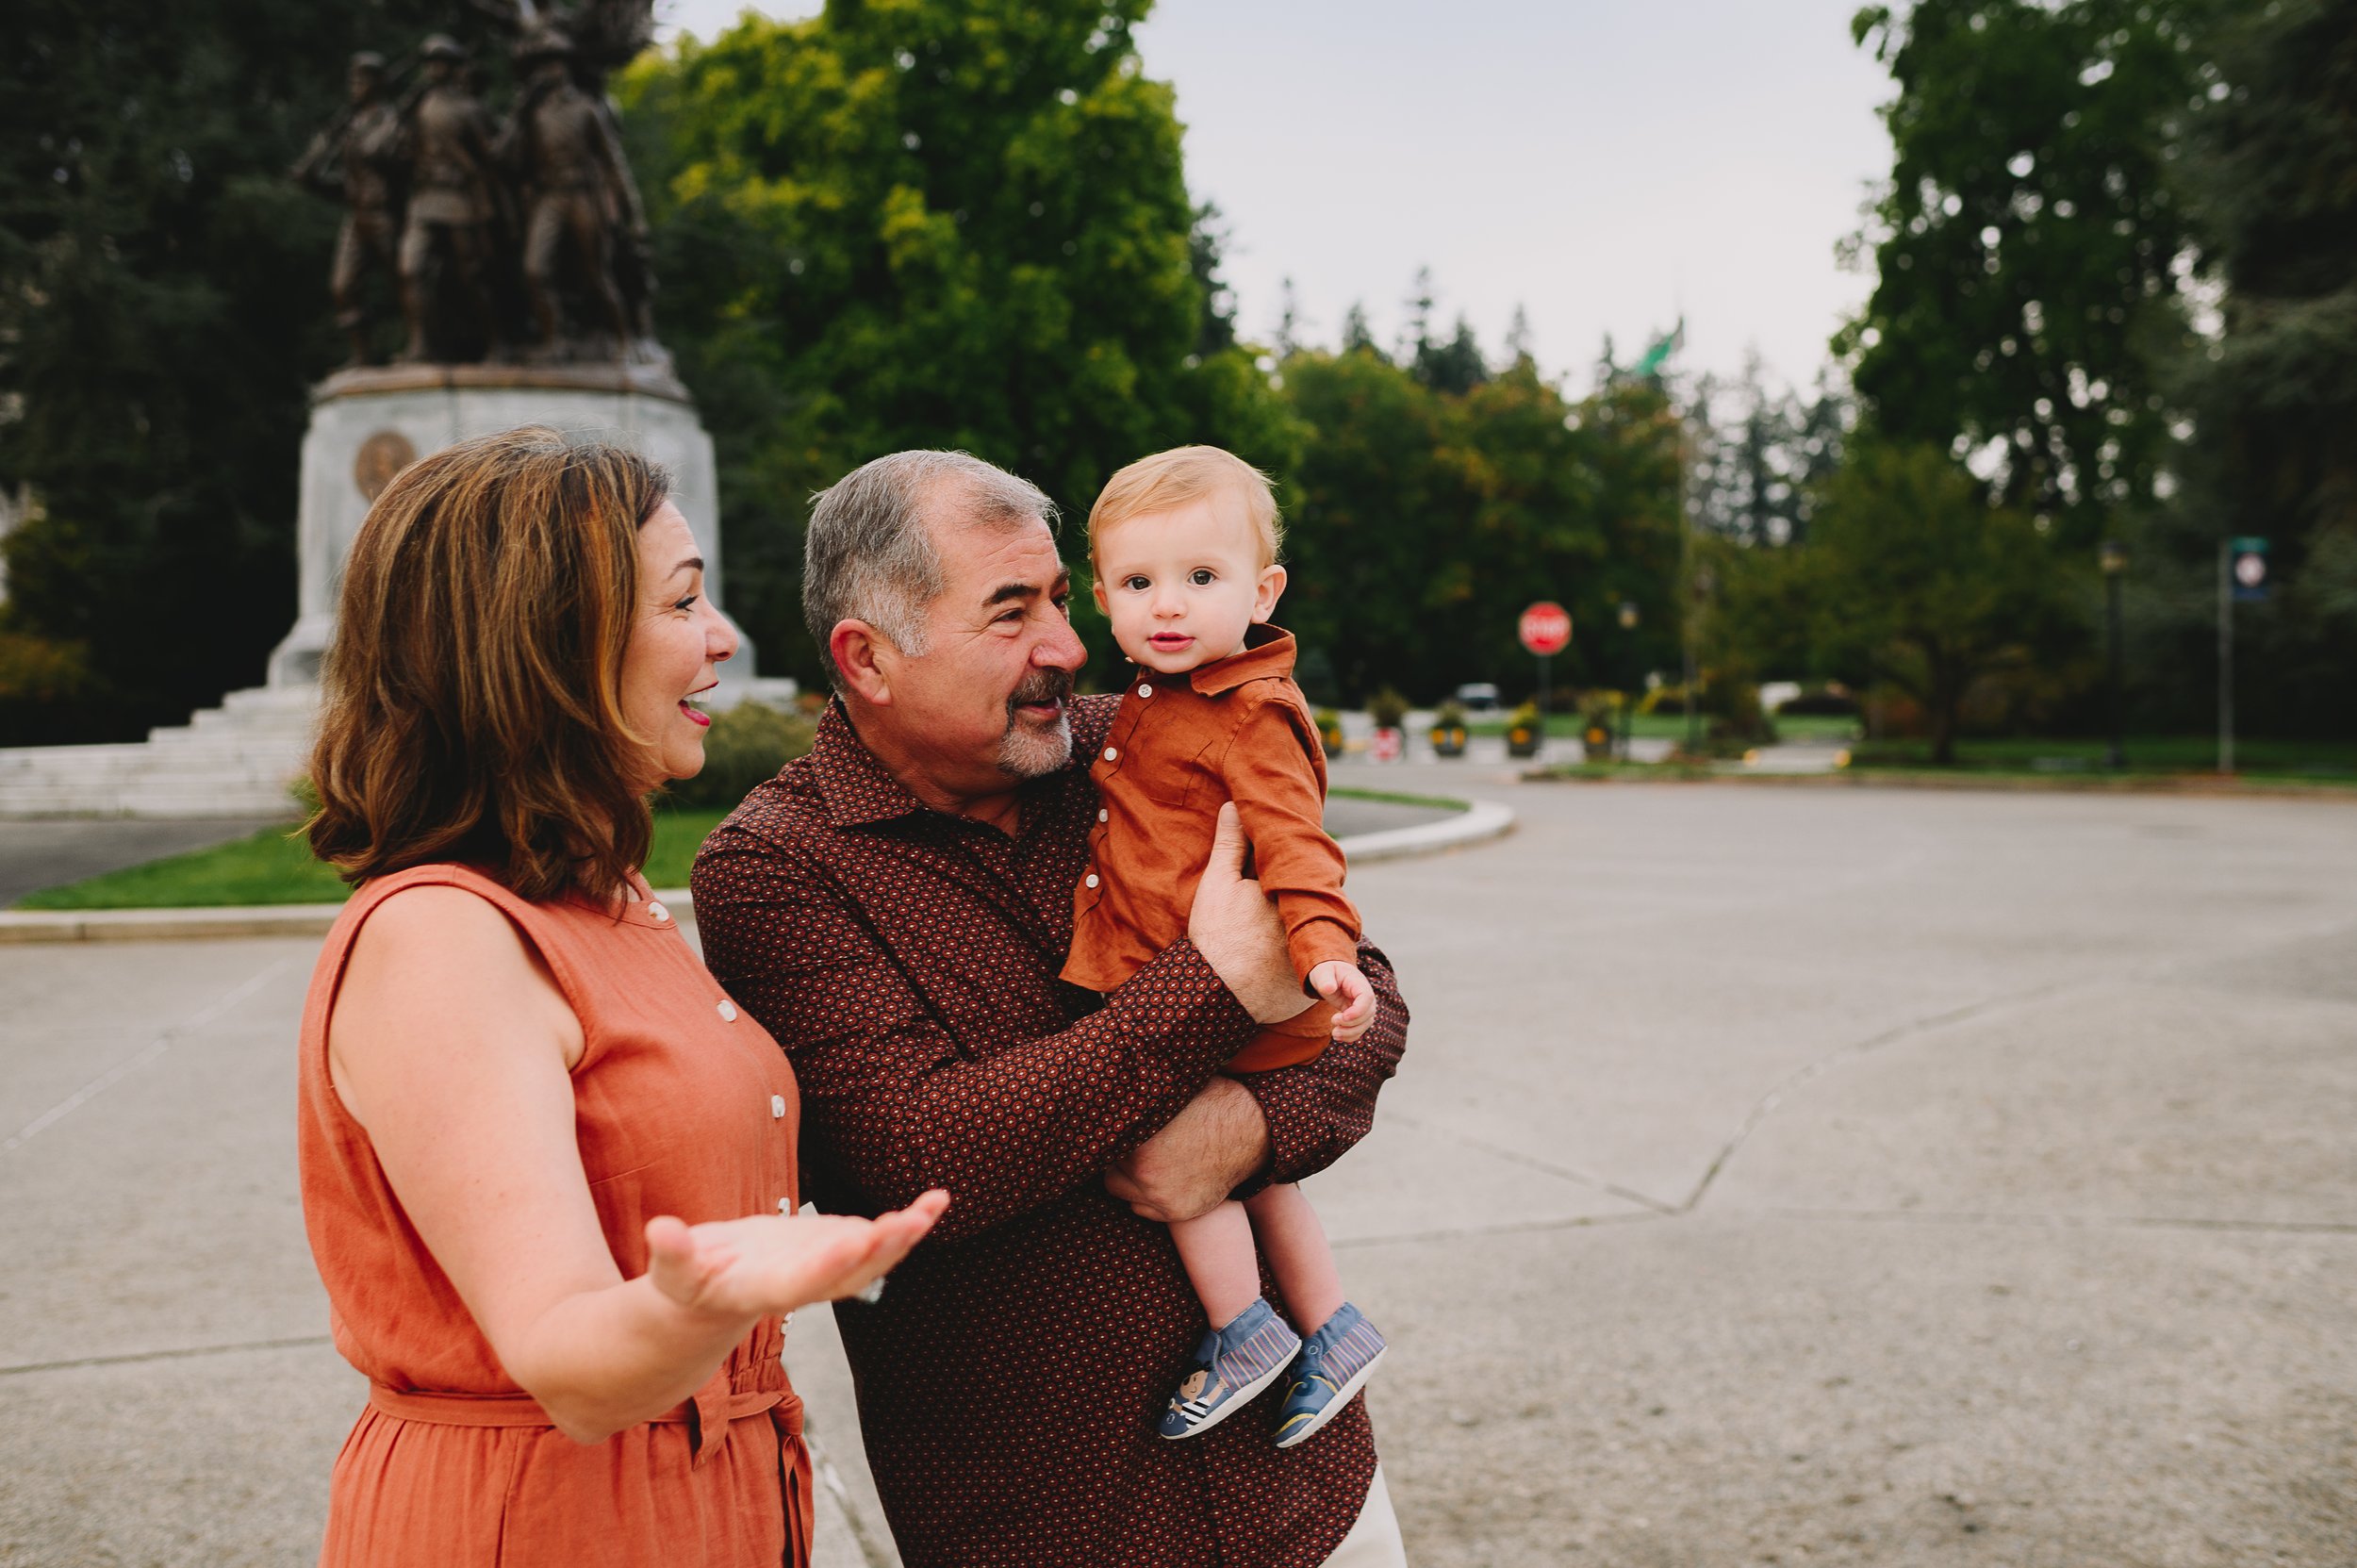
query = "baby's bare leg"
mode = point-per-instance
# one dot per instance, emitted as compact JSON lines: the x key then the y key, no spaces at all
{"x":1216,"y":1248}
{"x":1298,"y":1253}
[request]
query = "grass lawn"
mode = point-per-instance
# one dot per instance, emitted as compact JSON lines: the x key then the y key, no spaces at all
{"x":274,"y":867}
{"x":1393,"y":797}
{"x":1669,"y":724}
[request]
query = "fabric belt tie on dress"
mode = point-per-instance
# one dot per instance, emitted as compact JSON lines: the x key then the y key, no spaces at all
{"x":706,"y":1415}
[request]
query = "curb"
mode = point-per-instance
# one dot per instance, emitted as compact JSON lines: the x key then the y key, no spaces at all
{"x":1479,"y":821}
{"x":1483,"y":820}
{"x":2193,"y":785}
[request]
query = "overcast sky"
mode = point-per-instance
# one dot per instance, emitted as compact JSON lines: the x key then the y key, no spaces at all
{"x":1605,"y":166}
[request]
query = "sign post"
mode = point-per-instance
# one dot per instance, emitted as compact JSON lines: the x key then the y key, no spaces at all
{"x":1546,"y":631}
{"x":2242,"y":577}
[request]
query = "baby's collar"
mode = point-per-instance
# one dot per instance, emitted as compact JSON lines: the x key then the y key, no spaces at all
{"x":1267,"y":651}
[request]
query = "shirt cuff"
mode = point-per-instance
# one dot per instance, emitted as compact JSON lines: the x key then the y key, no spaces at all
{"x":1179,"y":999}
{"x":1317,"y":942}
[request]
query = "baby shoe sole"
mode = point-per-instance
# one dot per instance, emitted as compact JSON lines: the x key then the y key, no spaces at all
{"x":1250,"y":1391}
{"x":1308,"y":1429}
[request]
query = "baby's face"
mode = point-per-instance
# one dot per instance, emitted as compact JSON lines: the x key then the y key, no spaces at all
{"x":1183,"y":586}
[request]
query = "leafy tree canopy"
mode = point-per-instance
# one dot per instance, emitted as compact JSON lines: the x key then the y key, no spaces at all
{"x":2026,"y":249}
{"x":933,"y":223}
{"x":1912,"y":579}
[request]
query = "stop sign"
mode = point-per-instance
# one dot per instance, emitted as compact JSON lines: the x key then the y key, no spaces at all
{"x":1546,"y":627}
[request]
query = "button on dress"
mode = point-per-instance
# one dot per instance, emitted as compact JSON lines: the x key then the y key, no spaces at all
{"x":679,"y":1108}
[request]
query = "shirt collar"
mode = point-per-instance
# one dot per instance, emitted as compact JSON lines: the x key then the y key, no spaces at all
{"x":858,"y":790}
{"x":854,"y":785}
{"x":1267,"y":651}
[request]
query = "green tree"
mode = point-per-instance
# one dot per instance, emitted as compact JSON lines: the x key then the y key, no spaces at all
{"x":163,"y":306}
{"x":2026,"y":250}
{"x":936,"y":222}
{"x":1425,"y":521}
{"x":1915,"y":581}
{"x":2272,"y":166}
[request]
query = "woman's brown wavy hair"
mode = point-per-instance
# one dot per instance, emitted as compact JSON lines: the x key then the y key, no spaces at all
{"x":472,"y":702}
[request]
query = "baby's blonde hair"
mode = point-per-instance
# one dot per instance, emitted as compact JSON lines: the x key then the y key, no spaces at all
{"x":1185,"y":473}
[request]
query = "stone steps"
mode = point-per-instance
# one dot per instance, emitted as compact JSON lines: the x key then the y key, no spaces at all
{"x":235,"y":760}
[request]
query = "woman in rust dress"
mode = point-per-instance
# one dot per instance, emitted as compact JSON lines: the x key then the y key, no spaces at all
{"x":548,"y":1167}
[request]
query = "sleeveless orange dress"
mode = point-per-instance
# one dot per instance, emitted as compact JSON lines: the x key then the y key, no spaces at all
{"x":682,"y":1105}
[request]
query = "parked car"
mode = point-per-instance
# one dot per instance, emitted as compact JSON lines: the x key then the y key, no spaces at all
{"x":1477,"y":697}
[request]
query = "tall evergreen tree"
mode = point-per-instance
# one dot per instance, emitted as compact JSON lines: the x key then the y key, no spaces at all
{"x":2024,"y":249}
{"x":2272,"y":167}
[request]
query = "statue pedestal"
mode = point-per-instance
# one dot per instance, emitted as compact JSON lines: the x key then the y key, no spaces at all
{"x":369,"y":424}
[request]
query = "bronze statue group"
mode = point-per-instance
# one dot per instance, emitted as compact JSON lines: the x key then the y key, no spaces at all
{"x":518,"y":239}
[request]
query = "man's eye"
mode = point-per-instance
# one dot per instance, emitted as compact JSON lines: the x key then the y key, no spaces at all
{"x":1200,"y":577}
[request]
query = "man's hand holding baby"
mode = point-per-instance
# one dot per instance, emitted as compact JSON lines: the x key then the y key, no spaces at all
{"x":1352,"y":998}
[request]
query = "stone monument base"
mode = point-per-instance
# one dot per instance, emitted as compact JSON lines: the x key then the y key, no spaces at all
{"x":369,"y":424}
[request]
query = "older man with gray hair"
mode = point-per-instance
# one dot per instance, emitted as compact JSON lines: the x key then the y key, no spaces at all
{"x":895,"y":909}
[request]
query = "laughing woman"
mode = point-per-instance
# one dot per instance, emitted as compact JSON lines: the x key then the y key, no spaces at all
{"x":548,"y":1167}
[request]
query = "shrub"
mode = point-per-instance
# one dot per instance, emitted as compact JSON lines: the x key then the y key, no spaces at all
{"x":746,"y":745}
{"x":1387,"y":708}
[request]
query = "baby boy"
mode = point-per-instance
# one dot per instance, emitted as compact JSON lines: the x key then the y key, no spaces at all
{"x":1184,"y":545}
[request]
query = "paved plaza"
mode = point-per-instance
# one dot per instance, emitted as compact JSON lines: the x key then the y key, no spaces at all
{"x":1775,"y":1176}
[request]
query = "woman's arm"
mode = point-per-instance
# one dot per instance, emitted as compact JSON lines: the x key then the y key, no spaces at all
{"x":451,"y":1045}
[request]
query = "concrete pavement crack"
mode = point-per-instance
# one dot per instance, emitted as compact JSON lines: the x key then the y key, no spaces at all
{"x":1766,"y":1105}
{"x":1510,"y":1228}
{"x":1515,"y":1156}
{"x":2077,"y":1222}
{"x":133,"y":1357}
{"x":130,"y":1065}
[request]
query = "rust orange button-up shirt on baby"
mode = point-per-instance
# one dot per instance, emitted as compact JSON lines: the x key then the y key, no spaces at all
{"x":1182,"y":747}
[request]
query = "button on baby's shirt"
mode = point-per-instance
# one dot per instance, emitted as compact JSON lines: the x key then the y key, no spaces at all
{"x":1090,"y":881}
{"x":1111,"y":752}
{"x":1102,"y":814}
{"x":728,"y":1012}
{"x":1145,"y":689}
{"x":658,"y":912}
{"x":786,"y":1206}
{"x":777,"y":1106}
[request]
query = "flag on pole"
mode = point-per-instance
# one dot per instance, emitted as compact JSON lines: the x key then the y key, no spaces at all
{"x":1658,"y":355}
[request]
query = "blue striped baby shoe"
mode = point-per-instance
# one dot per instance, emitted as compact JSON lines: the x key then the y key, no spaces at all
{"x":1229,"y":1367}
{"x":1335,"y":1364}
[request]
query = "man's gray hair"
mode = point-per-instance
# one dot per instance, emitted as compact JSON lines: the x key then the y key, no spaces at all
{"x":870,"y":556}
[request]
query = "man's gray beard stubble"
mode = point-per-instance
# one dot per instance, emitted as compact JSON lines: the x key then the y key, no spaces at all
{"x":1027,"y":752}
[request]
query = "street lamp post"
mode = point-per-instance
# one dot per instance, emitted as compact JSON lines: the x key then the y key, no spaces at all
{"x":1628,"y":623}
{"x":2113,"y":559}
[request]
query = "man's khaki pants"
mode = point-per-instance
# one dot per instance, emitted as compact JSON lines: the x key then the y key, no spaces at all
{"x":1373,"y":1541}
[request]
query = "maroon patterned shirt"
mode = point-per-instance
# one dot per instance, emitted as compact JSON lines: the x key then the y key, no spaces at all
{"x":1009,"y":1377}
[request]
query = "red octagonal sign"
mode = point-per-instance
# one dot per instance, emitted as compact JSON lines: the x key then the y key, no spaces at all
{"x":1546,"y":627}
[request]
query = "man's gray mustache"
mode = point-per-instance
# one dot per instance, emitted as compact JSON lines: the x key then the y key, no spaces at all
{"x":1055,"y":686}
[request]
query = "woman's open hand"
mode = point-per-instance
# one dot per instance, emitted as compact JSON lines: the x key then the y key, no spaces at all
{"x":766,"y":1263}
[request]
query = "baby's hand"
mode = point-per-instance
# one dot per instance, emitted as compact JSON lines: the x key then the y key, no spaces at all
{"x":1347,"y":989}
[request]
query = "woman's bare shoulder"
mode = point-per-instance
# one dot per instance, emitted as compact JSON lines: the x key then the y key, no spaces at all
{"x":441,"y":956}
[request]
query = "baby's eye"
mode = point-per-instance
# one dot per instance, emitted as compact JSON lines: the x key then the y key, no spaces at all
{"x":1201,"y":577}
{"x":1136,"y":585}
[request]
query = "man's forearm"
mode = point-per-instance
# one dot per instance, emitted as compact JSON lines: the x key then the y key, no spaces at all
{"x":897,"y":1109}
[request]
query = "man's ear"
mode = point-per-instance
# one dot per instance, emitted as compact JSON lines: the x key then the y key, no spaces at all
{"x":858,"y":653}
{"x":1265,"y":595}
